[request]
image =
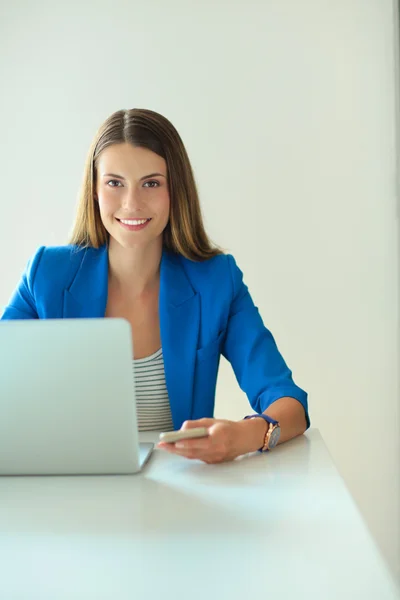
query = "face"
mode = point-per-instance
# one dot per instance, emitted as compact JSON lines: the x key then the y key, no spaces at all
{"x":132,"y":192}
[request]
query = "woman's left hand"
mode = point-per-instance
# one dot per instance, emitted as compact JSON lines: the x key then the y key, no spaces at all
{"x":225,"y":441}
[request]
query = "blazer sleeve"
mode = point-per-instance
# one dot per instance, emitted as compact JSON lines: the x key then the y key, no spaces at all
{"x":22,"y":304}
{"x":251,"y":349}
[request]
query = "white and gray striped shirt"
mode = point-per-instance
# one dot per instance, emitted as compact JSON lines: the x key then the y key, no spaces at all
{"x":152,"y":402}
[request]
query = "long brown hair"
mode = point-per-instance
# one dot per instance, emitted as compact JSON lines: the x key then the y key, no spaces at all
{"x":185,"y":233}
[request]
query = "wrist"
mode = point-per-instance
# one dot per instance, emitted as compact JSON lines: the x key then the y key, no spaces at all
{"x":252,"y":434}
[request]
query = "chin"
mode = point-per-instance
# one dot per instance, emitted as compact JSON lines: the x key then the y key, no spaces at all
{"x":128,"y":242}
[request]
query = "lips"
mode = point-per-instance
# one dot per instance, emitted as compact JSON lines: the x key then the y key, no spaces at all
{"x":133,"y":224}
{"x":133,"y":221}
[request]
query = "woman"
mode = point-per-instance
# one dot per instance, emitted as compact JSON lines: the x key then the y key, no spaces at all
{"x":139,"y":251}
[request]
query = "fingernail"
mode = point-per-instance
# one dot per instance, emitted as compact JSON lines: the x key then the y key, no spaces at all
{"x":179,"y":445}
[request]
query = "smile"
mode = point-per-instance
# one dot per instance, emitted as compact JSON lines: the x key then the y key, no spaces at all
{"x":133,"y":221}
{"x":133,"y":224}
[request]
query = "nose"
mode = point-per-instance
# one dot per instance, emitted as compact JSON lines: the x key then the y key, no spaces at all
{"x":132,"y":201}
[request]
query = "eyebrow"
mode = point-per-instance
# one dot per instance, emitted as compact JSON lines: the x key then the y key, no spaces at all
{"x":141,"y":179}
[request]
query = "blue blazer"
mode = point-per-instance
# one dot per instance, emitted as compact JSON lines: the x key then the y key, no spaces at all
{"x":205,"y":311}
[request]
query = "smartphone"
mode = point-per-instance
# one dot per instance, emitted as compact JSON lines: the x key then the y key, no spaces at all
{"x":183,"y":434}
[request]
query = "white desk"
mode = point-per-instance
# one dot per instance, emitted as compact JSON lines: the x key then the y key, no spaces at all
{"x":279,"y":526}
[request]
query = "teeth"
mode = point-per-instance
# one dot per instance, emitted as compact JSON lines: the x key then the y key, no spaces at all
{"x":133,"y":221}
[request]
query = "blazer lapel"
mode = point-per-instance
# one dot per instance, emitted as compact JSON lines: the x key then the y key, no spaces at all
{"x":179,"y":310}
{"x":86,"y":297}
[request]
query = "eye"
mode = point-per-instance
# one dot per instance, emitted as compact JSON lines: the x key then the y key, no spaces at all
{"x":156,"y":184}
{"x":111,"y":183}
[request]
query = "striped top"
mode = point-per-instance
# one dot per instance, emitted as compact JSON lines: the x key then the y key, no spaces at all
{"x":152,"y":402}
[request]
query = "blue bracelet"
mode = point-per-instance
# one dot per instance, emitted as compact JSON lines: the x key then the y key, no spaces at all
{"x":269,"y":420}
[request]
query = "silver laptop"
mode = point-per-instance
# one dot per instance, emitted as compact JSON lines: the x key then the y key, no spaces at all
{"x":67,"y":398}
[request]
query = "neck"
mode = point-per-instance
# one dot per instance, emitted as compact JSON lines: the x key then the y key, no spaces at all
{"x":134,"y":270}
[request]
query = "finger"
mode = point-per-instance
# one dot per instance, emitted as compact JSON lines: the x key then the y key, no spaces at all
{"x":165,"y":445}
{"x":204,"y":444}
{"x":168,"y":447}
{"x":200,"y":445}
{"x":171,"y":449}
{"x":208,"y":449}
{"x":206,"y":457}
{"x":205,"y":422}
{"x":185,"y":452}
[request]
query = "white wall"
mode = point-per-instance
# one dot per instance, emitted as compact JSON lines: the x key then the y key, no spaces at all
{"x":287,"y":109}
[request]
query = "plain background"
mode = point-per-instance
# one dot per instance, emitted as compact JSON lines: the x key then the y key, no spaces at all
{"x":288,"y":112}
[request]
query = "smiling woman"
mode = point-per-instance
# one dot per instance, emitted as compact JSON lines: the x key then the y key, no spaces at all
{"x":137,"y":159}
{"x":132,"y":201}
{"x":139,"y":251}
